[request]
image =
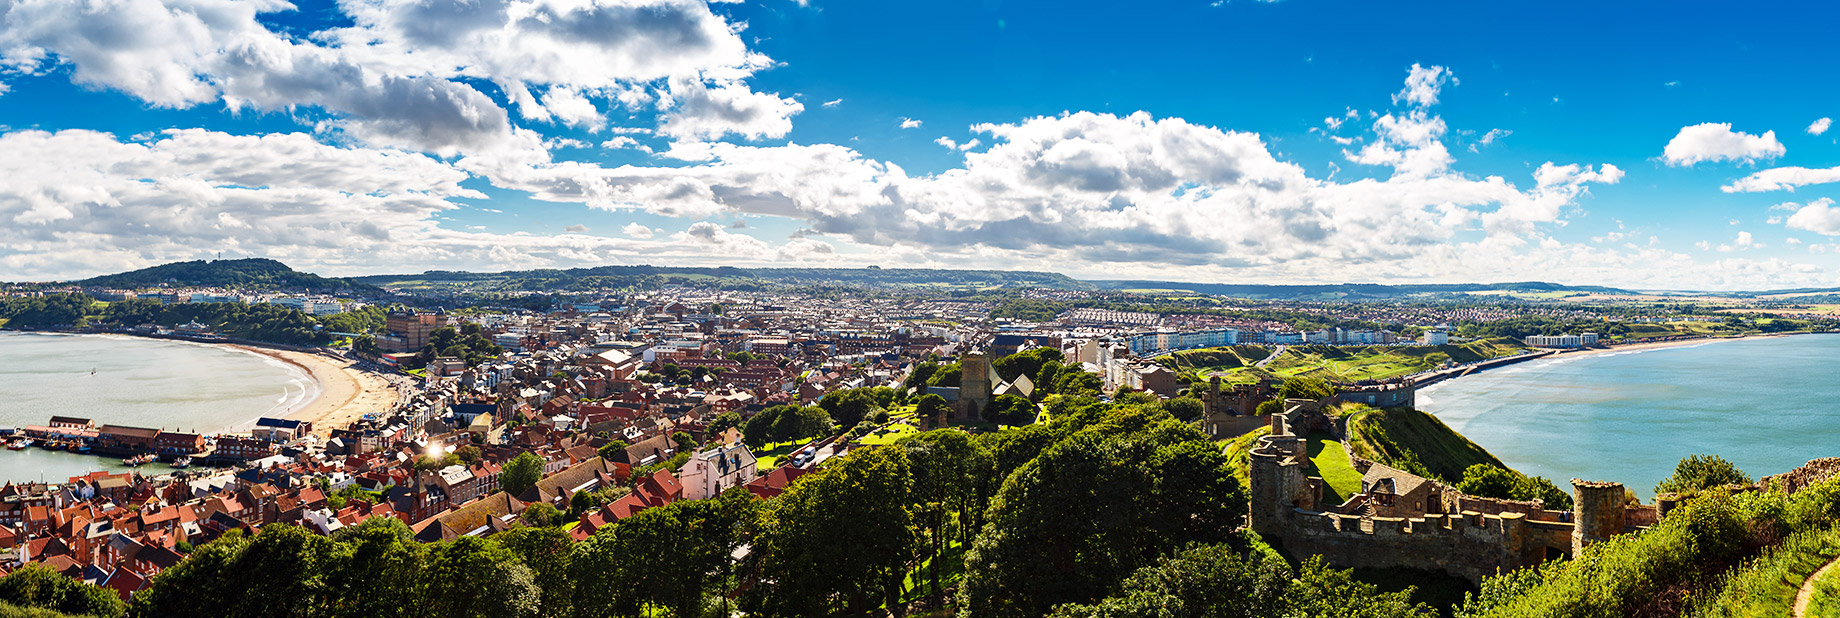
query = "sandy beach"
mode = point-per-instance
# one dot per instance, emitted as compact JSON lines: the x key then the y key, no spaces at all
{"x":1633,"y":347}
{"x":346,"y":393}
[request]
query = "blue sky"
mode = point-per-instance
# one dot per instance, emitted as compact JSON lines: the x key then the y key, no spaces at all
{"x":1642,"y":144}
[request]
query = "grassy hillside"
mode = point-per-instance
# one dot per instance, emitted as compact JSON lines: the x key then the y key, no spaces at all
{"x":252,"y":273}
{"x":1335,"y":363}
{"x":648,"y":277}
{"x":1414,"y":441}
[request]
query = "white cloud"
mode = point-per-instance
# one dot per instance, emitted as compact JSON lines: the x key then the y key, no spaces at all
{"x":1782,"y":179}
{"x":833,"y":103}
{"x":1422,"y":85}
{"x":636,"y":230}
{"x":576,"y":229}
{"x":947,"y":142}
{"x":1820,"y":126}
{"x":1818,"y":216}
{"x":703,"y":112}
{"x":568,"y":106}
{"x":1715,"y":141}
{"x":909,"y":123}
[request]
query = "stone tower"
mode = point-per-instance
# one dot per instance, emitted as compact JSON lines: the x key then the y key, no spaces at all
{"x":1597,"y":512}
{"x":974,"y":384}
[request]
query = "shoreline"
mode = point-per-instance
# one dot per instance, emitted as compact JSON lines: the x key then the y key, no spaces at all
{"x":346,"y":393}
{"x":1628,"y":347}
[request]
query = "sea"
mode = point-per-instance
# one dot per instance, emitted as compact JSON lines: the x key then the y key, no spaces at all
{"x":122,"y":380}
{"x":1766,"y":404}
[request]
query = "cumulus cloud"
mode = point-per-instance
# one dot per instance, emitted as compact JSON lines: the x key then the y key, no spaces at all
{"x":1820,"y":126}
{"x":703,"y":112}
{"x":576,"y":229}
{"x":403,"y":74}
{"x":1423,"y":85}
{"x":1715,"y":141}
{"x":1818,"y":216}
{"x":909,"y":123}
{"x":636,"y":230}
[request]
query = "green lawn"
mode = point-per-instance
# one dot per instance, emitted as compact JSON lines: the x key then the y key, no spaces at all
{"x":767,"y":458}
{"x":919,"y":582}
{"x":1330,"y":461}
{"x":890,"y":434}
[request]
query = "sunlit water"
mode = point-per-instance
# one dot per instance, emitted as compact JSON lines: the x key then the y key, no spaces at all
{"x":172,"y":385}
{"x":1768,"y":405}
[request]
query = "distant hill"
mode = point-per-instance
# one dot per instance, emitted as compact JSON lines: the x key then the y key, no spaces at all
{"x":250,"y":273}
{"x":603,"y":277}
{"x":1347,"y":291}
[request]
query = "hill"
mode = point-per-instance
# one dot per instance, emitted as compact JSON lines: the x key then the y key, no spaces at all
{"x":1414,"y":441}
{"x":1344,"y":291}
{"x":250,"y":273}
{"x":643,"y":276}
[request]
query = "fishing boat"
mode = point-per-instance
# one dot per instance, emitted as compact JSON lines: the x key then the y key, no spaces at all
{"x":182,"y":463}
{"x":51,"y":445}
{"x":20,"y":444}
{"x":78,"y":447}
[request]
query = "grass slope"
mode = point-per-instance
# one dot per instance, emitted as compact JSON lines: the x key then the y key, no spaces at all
{"x":1826,"y":599}
{"x":1767,"y":587}
{"x":1329,"y":460}
{"x":1413,"y":441}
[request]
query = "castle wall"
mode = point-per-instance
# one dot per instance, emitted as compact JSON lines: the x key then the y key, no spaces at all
{"x":1468,"y":545}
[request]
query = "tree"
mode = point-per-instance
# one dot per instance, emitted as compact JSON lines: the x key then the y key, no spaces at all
{"x":723,"y":423}
{"x":947,"y":469}
{"x":1009,"y":410}
{"x":366,"y":345}
{"x":469,"y":454}
{"x":1204,"y":582}
{"x":474,"y":577}
{"x":521,"y":473}
{"x":1487,"y":481}
{"x":931,"y":407}
{"x":1697,"y":472}
{"x":581,"y":502}
{"x":847,"y":407}
{"x":683,"y":441}
{"x":837,"y":540}
{"x":668,"y":557}
{"x":613,"y":449}
{"x":1186,"y":409}
{"x":917,"y":379}
{"x":542,"y":515}
{"x":35,"y":585}
{"x":1066,"y":526}
{"x":1026,"y":363}
{"x":375,"y":569}
{"x":546,"y":552}
{"x":1322,"y":592}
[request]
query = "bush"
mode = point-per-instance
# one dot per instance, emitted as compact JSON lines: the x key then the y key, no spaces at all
{"x":1698,"y":472}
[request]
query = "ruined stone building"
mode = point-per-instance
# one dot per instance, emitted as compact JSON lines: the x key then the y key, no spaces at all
{"x":1403,"y":520}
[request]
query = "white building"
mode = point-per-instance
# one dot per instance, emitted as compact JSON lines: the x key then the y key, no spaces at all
{"x":716,"y":470}
{"x":1435,"y":337}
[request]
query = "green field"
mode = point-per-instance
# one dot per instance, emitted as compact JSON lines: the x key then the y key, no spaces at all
{"x":890,"y":434}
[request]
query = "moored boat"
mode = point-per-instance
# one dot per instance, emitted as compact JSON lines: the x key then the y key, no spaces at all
{"x":182,"y":463}
{"x":20,"y":444}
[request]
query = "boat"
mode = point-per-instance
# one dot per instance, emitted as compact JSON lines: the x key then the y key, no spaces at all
{"x":20,"y":444}
{"x":51,"y":445}
{"x":139,"y":460}
{"x":78,"y":447}
{"x":182,"y":463}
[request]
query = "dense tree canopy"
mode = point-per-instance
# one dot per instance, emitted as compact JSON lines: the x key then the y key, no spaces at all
{"x":1070,"y":524}
{"x":1697,"y":472}
{"x":837,"y":541}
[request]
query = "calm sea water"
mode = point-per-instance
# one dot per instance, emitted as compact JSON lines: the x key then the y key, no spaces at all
{"x":141,"y":382}
{"x":1767,"y":405}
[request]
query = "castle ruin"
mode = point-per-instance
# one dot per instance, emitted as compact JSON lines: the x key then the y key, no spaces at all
{"x":1402,"y":520}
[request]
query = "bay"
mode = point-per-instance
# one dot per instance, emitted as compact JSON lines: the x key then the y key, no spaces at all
{"x":1766,"y":404}
{"x":172,"y":385}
